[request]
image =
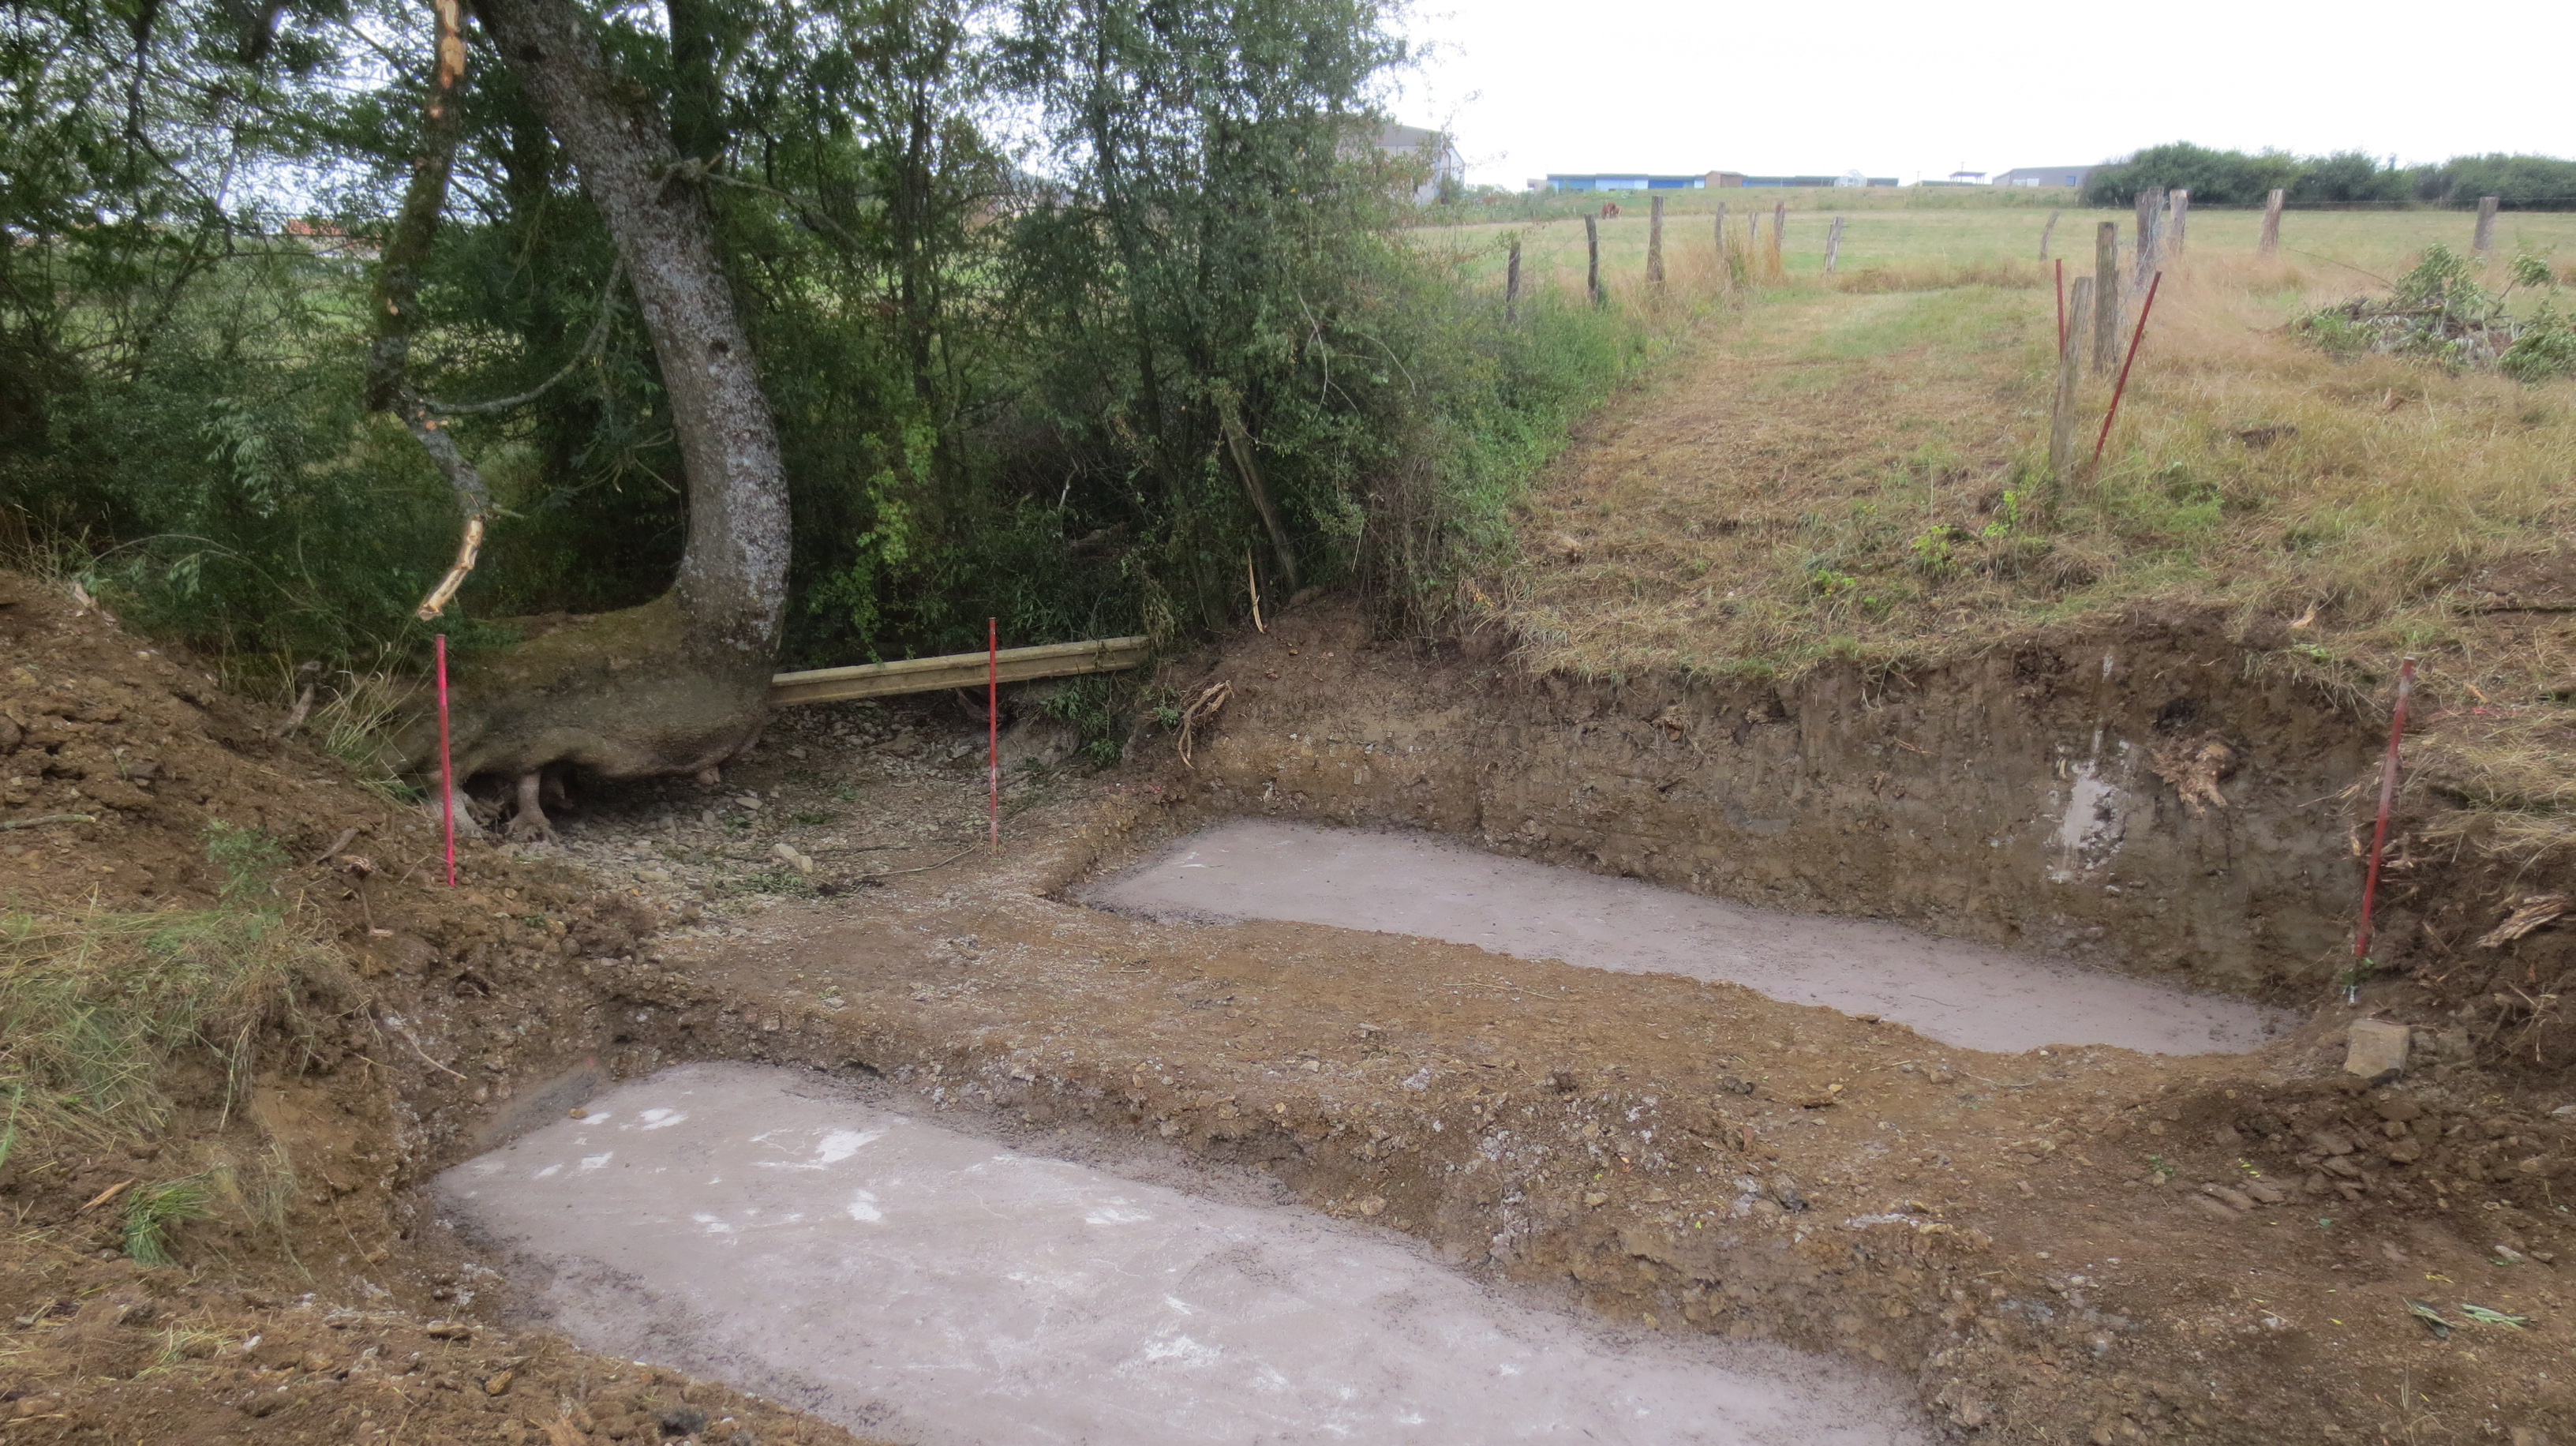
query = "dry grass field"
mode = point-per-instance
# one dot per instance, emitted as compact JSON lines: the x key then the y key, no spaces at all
{"x":1861,"y":474}
{"x":2344,"y":248}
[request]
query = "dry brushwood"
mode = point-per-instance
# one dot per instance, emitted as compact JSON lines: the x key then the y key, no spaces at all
{"x":1210,"y":701}
{"x":2530,"y":912}
{"x":2195,"y":766}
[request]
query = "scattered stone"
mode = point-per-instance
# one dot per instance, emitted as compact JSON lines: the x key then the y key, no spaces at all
{"x":499,"y":1384}
{"x":2235,"y":1199}
{"x":683,"y":1421}
{"x":2268,"y":1194}
{"x":2208,"y":1206}
{"x":2375,"y":1049}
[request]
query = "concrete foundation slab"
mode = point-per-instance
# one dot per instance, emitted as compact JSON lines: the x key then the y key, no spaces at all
{"x":769,"y":1228}
{"x":1403,"y":883}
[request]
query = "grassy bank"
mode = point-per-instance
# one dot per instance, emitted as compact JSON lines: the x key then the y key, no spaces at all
{"x":1863,"y":476}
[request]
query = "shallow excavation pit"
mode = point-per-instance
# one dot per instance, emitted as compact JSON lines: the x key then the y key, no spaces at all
{"x":1960,"y":993}
{"x":775,"y":1229}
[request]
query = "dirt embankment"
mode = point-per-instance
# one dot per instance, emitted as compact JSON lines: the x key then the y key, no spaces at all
{"x":2141,"y":794}
{"x":307,"y":1304}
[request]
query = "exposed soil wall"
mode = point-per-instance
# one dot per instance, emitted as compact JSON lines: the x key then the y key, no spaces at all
{"x":2014,"y":797}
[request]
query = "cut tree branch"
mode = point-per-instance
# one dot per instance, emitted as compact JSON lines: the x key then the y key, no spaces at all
{"x":398,"y":298}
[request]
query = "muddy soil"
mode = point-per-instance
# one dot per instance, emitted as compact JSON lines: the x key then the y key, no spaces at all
{"x":2057,"y":1245}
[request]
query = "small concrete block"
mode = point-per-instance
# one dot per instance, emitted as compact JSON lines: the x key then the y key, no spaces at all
{"x":2377,"y":1049}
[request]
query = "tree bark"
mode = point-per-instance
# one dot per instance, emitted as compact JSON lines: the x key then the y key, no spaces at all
{"x":681,"y":683}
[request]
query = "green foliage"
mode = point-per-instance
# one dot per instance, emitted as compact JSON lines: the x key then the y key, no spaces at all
{"x":2440,"y":311}
{"x":2345,"y":178}
{"x":2521,"y":183}
{"x":1007,"y":376}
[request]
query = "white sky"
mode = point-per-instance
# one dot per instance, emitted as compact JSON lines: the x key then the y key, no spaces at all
{"x":1911,"y":89}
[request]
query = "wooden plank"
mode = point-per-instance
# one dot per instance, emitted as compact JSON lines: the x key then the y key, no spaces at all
{"x":954,"y":670}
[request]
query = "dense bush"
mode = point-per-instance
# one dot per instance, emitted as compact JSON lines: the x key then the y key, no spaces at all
{"x":1049,"y":299}
{"x":2236,"y":178}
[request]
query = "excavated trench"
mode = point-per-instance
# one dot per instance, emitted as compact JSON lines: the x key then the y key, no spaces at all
{"x":1973,"y":996}
{"x":1749,"y":1018}
{"x":902,"y":1277}
{"x":2145,"y":794}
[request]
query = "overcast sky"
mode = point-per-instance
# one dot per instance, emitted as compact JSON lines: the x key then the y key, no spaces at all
{"x":1919,"y":90}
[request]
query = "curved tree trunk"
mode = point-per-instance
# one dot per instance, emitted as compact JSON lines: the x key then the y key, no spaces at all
{"x":681,"y":683}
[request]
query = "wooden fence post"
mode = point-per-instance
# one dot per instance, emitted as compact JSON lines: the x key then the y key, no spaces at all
{"x":2151,"y":205}
{"x":2061,"y":421}
{"x":1512,"y":285}
{"x":2106,"y":295}
{"x":2178,"y":229}
{"x":2271,"y":242}
{"x":2079,"y":317}
{"x":2045,"y":232}
{"x":2485,"y":235}
{"x":1834,"y":247}
{"x":1655,"y":241}
{"x":1779,"y":233}
{"x":1592,"y":245}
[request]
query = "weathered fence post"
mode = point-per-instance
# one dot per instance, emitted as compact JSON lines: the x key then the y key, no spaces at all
{"x":2485,"y":236}
{"x":1779,"y":233}
{"x":2271,"y":242}
{"x":1592,"y":246}
{"x":2061,"y":421}
{"x":1834,"y":246}
{"x":1655,"y":241}
{"x":2178,"y":228}
{"x":2079,"y":317}
{"x":1725,"y":273}
{"x":1512,"y":285}
{"x":2151,"y":206}
{"x":2106,"y":295}
{"x":2045,"y":232}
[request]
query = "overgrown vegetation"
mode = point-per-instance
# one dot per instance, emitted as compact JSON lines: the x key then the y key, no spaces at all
{"x":1062,"y":311}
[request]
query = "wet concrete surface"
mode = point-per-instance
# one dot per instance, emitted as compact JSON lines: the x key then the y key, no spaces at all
{"x":1961,"y":993}
{"x":776,"y":1230}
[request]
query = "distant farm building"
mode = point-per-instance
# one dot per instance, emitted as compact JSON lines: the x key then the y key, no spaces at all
{"x":1803,"y":182}
{"x":1625,"y":181}
{"x":1641,"y":181}
{"x":2046,"y":176}
{"x":1445,"y":171}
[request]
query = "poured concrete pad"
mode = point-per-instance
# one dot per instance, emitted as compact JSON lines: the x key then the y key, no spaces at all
{"x":761,"y":1226}
{"x":1406,"y":883}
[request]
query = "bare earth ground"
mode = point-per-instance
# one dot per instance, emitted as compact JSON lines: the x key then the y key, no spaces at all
{"x":2066,"y":1245}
